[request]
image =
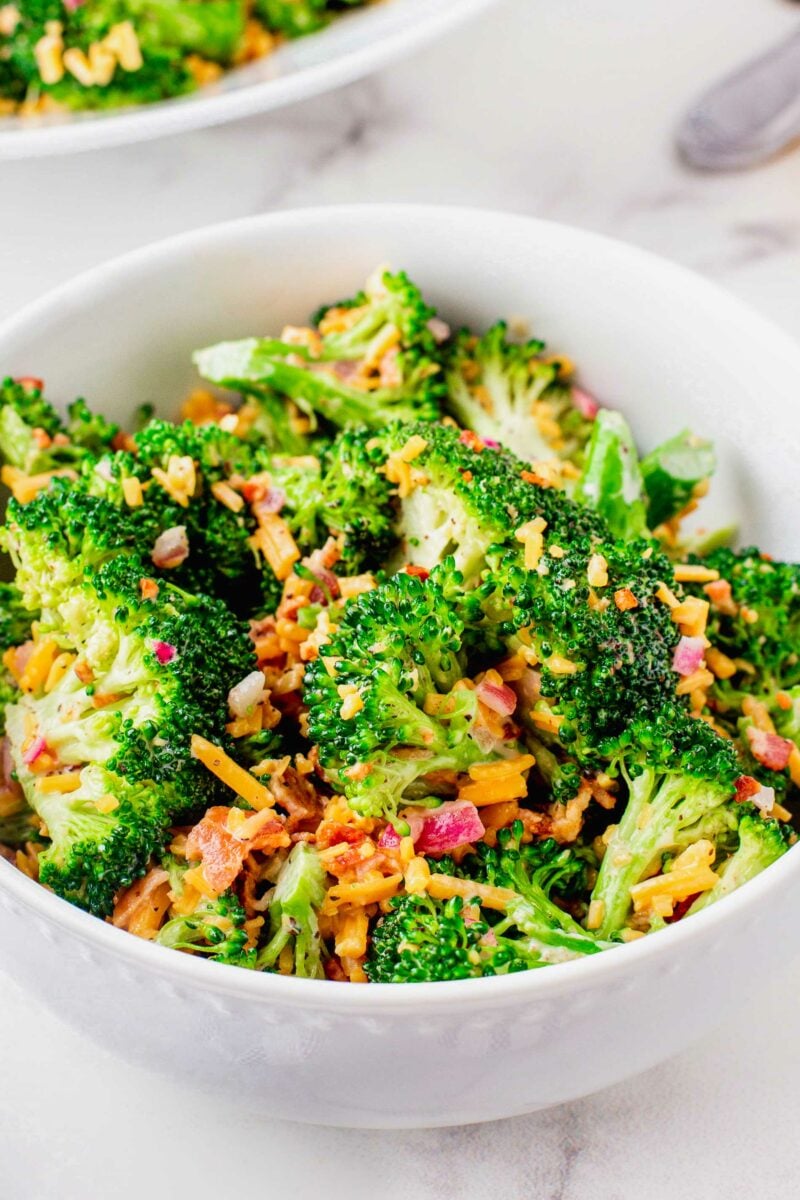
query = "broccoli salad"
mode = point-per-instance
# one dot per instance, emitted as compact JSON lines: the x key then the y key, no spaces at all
{"x":392,"y":660}
{"x":98,"y":54}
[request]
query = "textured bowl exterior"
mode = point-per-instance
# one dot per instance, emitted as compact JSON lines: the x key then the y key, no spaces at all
{"x":650,"y":337}
{"x":356,"y":45}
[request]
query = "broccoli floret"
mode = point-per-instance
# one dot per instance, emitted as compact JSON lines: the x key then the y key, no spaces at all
{"x":675,"y":473}
{"x":458,"y":498}
{"x":33,"y":437}
{"x":59,"y":536}
{"x":215,"y":927}
{"x":761,"y":843}
{"x":384,"y":707}
{"x":757,"y":626}
{"x":140,"y":678}
{"x":422,"y":939}
{"x":680,"y":777}
{"x":101,"y":835}
{"x":369,"y":363}
{"x":343,"y":494}
{"x":293,"y":18}
{"x":611,"y":482}
{"x":293,"y":916}
{"x":507,"y":392}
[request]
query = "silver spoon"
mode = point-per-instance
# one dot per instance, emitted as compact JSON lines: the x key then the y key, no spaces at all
{"x":749,"y":115}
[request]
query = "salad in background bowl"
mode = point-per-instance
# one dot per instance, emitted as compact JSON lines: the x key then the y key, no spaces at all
{"x":79,"y":74}
{"x":506,"y":711}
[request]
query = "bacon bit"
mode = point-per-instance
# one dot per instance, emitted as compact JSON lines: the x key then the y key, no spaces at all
{"x":148,"y":589}
{"x":720,"y":594}
{"x":769,"y":749}
{"x":171,"y":548}
{"x":222,"y":852}
{"x":758,"y":713}
{"x":419,"y":572}
{"x":625,"y":599}
{"x":30,"y":383}
{"x":695,"y":573}
{"x":141,"y":908}
{"x":537,"y":478}
{"x":226,"y":495}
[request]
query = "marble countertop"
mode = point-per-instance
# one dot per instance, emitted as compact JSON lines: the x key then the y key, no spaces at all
{"x":565,"y":110}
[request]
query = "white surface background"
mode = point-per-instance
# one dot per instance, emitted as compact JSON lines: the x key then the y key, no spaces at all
{"x":562,"y":108}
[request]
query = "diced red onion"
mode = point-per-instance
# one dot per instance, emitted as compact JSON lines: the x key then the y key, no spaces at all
{"x":439,"y":329}
{"x":688,"y":655}
{"x":770,"y":749}
{"x":30,"y":383}
{"x":764,"y":800}
{"x":491,"y":444}
{"x":498,"y":697}
{"x":746,"y":787}
{"x":171,"y":547}
{"x":390,"y":839}
{"x":453,"y":824}
{"x":271,"y":500}
{"x":586,"y":405}
{"x":246,"y":694}
{"x":37,"y":747}
{"x":164,"y":652}
{"x":529,"y":686}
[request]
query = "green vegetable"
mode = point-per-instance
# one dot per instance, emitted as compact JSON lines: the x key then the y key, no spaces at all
{"x":611,"y":482}
{"x":673,"y":472}
{"x":504,"y":391}
{"x":293,"y":915}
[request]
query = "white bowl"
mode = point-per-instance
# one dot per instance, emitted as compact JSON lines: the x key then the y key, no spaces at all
{"x":352,"y":46}
{"x":668,"y":348}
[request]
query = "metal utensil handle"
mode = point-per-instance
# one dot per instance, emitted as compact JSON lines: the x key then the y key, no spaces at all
{"x":749,"y":115}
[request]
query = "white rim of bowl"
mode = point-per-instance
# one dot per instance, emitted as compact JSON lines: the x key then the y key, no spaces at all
{"x":198,"y":111}
{"x":319,"y":994}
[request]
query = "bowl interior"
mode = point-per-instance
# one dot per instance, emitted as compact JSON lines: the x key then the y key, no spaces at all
{"x":666,"y":347}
